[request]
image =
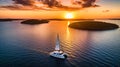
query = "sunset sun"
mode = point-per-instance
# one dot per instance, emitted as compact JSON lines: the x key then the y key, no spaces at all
{"x":69,"y":16}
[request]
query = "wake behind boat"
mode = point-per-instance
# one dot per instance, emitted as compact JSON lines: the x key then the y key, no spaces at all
{"x":57,"y":53}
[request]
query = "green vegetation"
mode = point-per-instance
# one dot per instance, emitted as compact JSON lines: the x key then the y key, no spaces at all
{"x":93,"y":25}
{"x":34,"y":21}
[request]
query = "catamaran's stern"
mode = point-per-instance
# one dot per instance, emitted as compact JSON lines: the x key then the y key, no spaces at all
{"x":59,"y":55}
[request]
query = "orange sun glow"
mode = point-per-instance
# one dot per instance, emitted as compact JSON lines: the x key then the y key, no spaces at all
{"x":69,"y":16}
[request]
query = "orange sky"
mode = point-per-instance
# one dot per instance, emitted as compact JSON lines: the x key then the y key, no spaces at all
{"x":88,"y":13}
{"x":104,"y":11}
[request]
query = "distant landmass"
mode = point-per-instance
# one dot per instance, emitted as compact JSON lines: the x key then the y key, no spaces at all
{"x":85,"y":19}
{"x":93,"y":25}
{"x":10,"y":19}
{"x":6,"y":19}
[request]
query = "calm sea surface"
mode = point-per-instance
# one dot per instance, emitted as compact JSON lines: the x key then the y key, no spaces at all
{"x":24,"y":45}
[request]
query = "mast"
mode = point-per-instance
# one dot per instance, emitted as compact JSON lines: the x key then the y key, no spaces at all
{"x":57,"y":46}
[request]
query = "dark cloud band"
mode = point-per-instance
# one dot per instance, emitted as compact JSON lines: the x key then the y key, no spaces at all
{"x":49,"y":4}
{"x":24,"y":2}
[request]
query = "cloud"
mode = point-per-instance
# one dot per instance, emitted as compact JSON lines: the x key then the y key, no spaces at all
{"x":17,"y":7}
{"x":88,"y":3}
{"x":104,"y":11}
{"x":50,"y":4}
{"x":24,"y":2}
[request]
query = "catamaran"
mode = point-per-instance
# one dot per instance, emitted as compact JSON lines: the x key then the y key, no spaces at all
{"x":57,"y":53}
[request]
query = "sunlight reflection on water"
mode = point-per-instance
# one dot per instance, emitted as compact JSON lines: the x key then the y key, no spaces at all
{"x":32,"y":42}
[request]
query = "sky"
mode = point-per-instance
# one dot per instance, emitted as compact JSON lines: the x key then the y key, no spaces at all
{"x":57,"y":9}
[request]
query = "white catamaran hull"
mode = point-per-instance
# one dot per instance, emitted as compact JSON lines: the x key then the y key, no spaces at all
{"x":58,"y":54}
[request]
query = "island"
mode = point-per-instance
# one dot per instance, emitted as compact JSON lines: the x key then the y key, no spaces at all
{"x":93,"y":25}
{"x":34,"y":21}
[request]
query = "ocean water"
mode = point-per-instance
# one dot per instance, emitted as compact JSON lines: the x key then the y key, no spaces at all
{"x":24,"y":45}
